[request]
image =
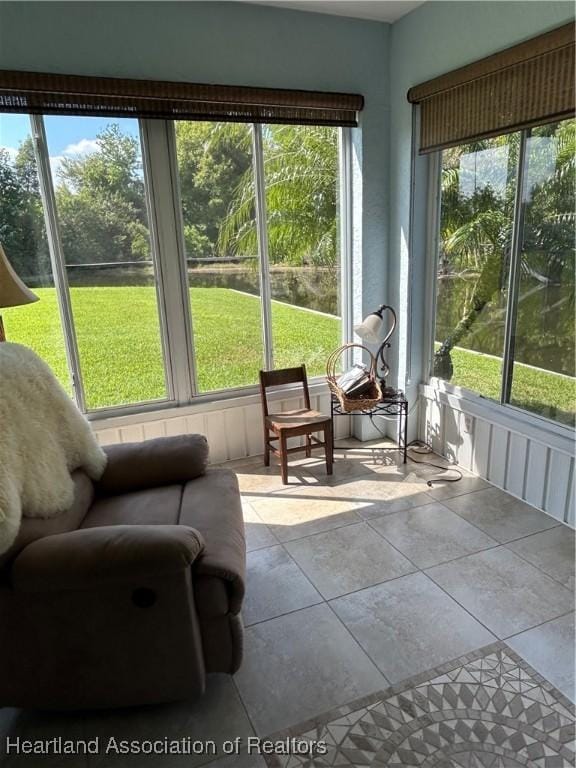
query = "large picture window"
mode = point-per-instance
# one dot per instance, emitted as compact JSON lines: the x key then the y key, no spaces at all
{"x":23,"y":237}
{"x":262,"y":282}
{"x":215,"y":167}
{"x":101,"y":209}
{"x":301,"y":181}
{"x":505,"y":280}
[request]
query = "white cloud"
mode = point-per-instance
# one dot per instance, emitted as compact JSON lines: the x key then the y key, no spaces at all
{"x":82,"y":147}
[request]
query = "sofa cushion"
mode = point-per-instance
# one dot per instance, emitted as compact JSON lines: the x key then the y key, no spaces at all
{"x":33,"y":528}
{"x":156,"y":506}
{"x":163,"y":461}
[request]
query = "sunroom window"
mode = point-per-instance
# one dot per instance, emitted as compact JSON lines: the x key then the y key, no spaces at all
{"x":98,"y":182}
{"x":23,"y":237}
{"x":173,"y":257}
{"x":264,"y":283}
{"x":505,"y":277}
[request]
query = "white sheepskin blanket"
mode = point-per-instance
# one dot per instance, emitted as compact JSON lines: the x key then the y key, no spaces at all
{"x":43,"y":438}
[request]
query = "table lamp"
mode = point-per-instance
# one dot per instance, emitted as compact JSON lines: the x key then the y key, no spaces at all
{"x":13,"y":292}
{"x":370,"y":330}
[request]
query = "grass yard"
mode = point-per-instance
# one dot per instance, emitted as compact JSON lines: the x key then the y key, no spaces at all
{"x":548,"y":394}
{"x":120,"y":351}
{"x":119,"y":339}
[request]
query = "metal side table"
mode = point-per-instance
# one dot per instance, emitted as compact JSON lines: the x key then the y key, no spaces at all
{"x":390,"y":405}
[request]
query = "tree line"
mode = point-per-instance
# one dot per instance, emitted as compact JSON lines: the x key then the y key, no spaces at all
{"x":101,"y":208}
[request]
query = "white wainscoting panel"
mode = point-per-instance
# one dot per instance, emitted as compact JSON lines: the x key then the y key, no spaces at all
{"x":534,"y":463}
{"x":232,"y":427}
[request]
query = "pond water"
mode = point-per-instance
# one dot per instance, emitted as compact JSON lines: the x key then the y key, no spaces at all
{"x":545,"y":325}
{"x":308,"y":287}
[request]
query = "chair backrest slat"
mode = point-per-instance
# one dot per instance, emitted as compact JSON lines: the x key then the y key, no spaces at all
{"x":283,"y":376}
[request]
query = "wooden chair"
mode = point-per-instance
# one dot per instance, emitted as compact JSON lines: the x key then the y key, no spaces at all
{"x":278,"y":427}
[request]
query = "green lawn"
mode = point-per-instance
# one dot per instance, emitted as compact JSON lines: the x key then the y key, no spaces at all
{"x":119,"y":339}
{"x":548,"y":394}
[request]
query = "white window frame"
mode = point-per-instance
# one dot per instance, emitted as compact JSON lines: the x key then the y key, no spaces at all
{"x":541,"y":427}
{"x":163,"y":200}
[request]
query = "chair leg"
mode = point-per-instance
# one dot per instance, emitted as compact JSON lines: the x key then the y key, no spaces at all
{"x":283,"y":458}
{"x":328,"y":440}
{"x":266,"y":449}
{"x":308,"y":446}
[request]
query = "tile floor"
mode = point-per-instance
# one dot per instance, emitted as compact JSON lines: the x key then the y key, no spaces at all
{"x":356,"y":582}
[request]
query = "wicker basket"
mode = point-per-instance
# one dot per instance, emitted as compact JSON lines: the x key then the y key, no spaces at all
{"x":366,"y":400}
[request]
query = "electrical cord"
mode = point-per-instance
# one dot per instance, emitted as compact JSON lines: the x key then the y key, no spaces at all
{"x":419,"y":446}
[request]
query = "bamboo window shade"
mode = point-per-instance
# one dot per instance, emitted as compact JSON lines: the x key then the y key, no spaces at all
{"x":525,"y":85}
{"x":54,"y":94}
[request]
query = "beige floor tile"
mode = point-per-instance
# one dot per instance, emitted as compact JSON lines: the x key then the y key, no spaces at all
{"x":442,"y":489}
{"x":552,"y":551}
{"x":409,"y":625}
{"x":258,"y":535}
{"x":347,"y":559}
{"x":343,"y":469}
{"x":431,"y":534}
{"x":275,"y":585}
{"x":382,"y":494}
{"x":392,"y":505}
{"x":260,"y":479}
{"x":300,"y":665}
{"x":321,"y":489}
{"x":500,"y":515}
{"x":293,"y":516}
{"x":378,"y":487}
{"x":503,"y":591}
{"x":396,"y":470}
{"x":549,"y":648}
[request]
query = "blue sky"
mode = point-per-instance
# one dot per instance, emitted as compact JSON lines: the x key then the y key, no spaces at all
{"x":67,"y":136}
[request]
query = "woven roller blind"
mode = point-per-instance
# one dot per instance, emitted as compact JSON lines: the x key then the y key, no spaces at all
{"x":525,"y":85}
{"x":41,"y":93}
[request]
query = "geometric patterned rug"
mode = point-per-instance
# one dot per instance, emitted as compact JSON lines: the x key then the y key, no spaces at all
{"x":488,"y":709}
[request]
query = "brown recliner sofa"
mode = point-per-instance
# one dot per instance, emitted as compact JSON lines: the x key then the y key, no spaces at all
{"x":132,"y":595}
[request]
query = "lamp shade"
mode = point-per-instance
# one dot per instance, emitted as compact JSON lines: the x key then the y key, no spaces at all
{"x":13,"y":292}
{"x":370,"y":328}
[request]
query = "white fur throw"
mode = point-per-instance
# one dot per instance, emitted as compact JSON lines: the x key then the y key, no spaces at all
{"x":43,"y":438}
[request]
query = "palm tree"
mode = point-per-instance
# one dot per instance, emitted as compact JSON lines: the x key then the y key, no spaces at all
{"x":475,"y":236}
{"x":301,"y":174}
{"x":476,"y":231}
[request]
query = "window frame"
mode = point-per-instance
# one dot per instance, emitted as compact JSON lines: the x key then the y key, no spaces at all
{"x":163,"y":202}
{"x":522,"y":416}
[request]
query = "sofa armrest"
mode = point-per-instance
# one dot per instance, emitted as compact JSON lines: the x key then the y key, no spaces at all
{"x":94,"y":557}
{"x":213,"y":505}
{"x":162,"y":461}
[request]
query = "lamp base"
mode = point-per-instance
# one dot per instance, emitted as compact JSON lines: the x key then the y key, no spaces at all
{"x":2,"y":334}
{"x":387,"y":392}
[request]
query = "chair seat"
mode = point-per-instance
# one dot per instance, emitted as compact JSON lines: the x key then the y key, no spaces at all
{"x":295,"y":419}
